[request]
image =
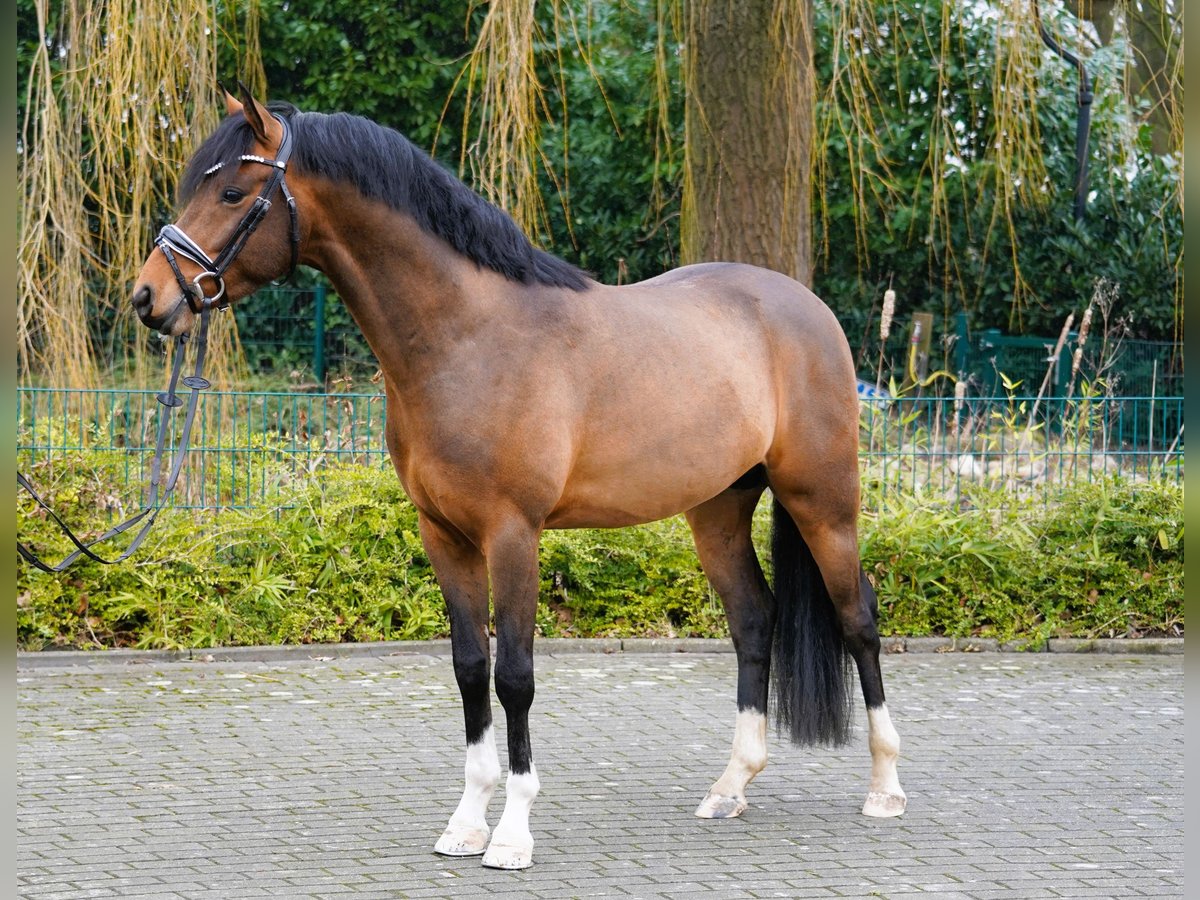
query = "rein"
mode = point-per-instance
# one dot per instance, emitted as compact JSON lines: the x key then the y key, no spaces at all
{"x":155,"y":503}
{"x":173,"y":240}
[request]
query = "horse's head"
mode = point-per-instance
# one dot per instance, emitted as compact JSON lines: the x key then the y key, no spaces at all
{"x":238,"y":229}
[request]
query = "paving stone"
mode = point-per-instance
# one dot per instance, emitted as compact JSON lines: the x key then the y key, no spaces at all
{"x":1029,"y":775}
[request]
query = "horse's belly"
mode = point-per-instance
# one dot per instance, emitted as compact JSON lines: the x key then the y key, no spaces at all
{"x":613,"y":507}
{"x":631,"y":483}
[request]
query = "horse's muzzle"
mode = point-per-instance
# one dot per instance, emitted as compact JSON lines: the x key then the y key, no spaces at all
{"x":143,"y":305}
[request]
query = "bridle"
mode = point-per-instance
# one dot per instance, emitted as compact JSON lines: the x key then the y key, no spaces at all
{"x":174,"y":240}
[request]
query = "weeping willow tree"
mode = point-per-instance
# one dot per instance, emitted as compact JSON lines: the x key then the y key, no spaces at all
{"x":766,"y":133}
{"x":853,"y":116}
{"x":119,"y":94}
{"x":990,"y":121}
{"x":120,"y":91}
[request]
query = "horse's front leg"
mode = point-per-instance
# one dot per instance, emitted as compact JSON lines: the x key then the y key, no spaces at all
{"x":462,"y":575}
{"x":512,"y":555}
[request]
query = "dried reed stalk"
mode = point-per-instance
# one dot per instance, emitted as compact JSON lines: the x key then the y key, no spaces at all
{"x":506,"y":104}
{"x":105,"y":139}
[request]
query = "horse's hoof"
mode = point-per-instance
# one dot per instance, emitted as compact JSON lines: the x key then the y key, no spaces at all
{"x":718,"y":806}
{"x":462,"y":840}
{"x":882,"y":805}
{"x":507,"y":856}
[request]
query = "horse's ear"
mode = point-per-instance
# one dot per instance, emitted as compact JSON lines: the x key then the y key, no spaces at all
{"x":233,"y":105}
{"x":264,"y":125}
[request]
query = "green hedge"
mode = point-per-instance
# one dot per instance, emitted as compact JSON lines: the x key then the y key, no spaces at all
{"x":345,"y":563}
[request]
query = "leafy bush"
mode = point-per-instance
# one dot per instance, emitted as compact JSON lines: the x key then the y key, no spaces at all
{"x":1104,"y":560}
{"x":345,"y":563}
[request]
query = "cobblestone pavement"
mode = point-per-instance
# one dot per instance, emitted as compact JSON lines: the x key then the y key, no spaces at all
{"x":1035,"y":775}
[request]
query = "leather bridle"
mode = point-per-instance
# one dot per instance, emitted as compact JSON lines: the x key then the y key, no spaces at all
{"x":174,"y":240}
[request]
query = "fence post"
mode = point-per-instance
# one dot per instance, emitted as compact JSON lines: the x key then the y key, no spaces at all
{"x":1062,"y":365}
{"x":992,"y":359}
{"x":319,"y":334}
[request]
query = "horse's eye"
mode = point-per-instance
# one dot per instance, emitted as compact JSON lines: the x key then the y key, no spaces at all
{"x":232,"y":195}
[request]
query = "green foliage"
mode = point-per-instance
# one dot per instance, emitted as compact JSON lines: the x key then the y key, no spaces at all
{"x":394,"y":65}
{"x":344,"y":562}
{"x":618,"y":212}
{"x":1105,"y":560}
{"x":955,"y":252}
{"x":643,"y":581}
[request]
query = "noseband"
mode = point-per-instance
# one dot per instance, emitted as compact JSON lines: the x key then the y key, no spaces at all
{"x":174,"y":240}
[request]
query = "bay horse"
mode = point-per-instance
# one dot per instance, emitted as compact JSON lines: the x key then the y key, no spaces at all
{"x":523,"y":395}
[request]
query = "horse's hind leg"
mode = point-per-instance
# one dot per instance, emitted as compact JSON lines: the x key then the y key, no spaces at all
{"x":462,"y":575}
{"x":826,"y":519}
{"x":885,"y":797}
{"x":721,"y":528}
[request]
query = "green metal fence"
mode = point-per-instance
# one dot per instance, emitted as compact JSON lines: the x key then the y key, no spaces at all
{"x":1020,"y":444}
{"x":251,"y":449}
{"x":988,"y":357}
{"x":308,"y":330}
{"x":247,"y":448}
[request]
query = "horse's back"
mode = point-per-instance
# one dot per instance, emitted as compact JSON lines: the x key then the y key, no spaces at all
{"x":801,"y":330}
{"x":782,"y":301}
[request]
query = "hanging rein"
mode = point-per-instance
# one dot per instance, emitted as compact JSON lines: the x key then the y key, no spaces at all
{"x":173,"y":240}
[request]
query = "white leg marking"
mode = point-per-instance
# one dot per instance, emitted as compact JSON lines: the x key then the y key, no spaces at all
{"x":512,"y":844}
{"x":885,"y":798}
{"x":467,"y":833}
{"x":727,"y":797}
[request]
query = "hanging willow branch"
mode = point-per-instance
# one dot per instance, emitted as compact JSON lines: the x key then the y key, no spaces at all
{"x":52,"y":333}
{"x":505,"y":107}
{"x":110,"y":122}
{"x":849,"y":112}
{"x":506,"y":104}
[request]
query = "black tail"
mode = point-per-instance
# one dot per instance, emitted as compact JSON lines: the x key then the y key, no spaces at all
{"x":810,"y":666}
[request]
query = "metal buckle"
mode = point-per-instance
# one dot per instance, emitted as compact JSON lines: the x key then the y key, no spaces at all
{"x":199,"y":294}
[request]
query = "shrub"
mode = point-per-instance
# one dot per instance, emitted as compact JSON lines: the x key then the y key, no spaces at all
{"x":342,"y":561}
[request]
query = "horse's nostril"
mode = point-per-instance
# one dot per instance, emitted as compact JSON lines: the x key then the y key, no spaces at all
{"x":143,"y":301}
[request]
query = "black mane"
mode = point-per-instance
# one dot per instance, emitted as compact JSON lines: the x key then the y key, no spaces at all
{"x":384,"y":165}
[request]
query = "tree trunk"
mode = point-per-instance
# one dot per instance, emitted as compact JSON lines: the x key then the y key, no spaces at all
{"x":1154,"y":29}
{"x":748,"y":134}
{"x":1156,"y":33}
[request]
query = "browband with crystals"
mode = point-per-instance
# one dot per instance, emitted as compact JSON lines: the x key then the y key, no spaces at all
{"x":246,"y":157}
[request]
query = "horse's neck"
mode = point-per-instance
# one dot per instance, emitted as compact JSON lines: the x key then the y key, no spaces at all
{"x":411,"y":294}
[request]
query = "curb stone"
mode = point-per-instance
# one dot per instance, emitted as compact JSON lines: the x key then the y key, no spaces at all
{"x":34,"y":659}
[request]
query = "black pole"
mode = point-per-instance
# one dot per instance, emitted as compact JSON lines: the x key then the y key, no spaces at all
{"x":1084,"y":119}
